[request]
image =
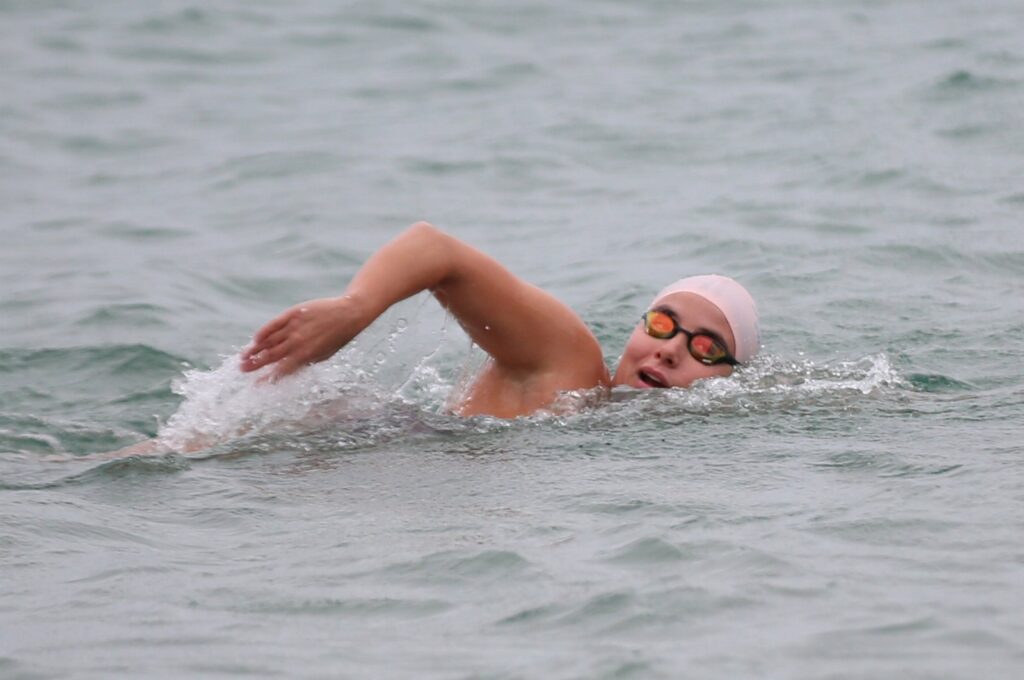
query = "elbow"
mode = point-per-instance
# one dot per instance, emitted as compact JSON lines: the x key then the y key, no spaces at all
{"x":436,"y":249}
{"x":424,"y":229}
{"x":431,"y":242}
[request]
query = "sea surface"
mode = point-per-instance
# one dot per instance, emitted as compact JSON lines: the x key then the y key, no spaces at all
{"x":850,"y":505}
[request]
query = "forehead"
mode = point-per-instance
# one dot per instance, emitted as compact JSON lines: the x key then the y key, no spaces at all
{"x":695,"y":311}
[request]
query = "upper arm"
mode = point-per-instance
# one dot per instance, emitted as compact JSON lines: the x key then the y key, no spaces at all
{"x":524,"y":328}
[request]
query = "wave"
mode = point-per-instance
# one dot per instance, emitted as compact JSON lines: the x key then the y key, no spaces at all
{"x":964,"y":82}
{"x":71,"y":358}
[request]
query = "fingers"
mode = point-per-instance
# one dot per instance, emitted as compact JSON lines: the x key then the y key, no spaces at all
{"x":266,"y":343}
{"x":283,"y":368}
{"x":252,"y":358}
{"x":296,"y":337}
{"x":273,"y":326}
{"x":266,"y":356}
{"x":286,"y":367}
{"x":268,"y":330}
{"x":277,"y":339}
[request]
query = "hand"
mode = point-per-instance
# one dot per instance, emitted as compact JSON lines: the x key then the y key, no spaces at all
{"x":304,"y":334}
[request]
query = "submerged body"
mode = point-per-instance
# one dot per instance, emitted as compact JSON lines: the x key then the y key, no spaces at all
{"x":538,"y":348}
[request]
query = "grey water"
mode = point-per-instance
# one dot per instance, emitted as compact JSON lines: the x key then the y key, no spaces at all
{"x":173,"y":174}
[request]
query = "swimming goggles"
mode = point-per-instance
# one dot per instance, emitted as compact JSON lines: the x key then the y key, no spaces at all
{"x":703,"y":347}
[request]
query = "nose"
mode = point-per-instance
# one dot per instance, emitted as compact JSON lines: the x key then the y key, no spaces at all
{"x":670,"y":351}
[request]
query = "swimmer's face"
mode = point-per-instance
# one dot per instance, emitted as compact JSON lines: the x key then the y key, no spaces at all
{"x":652,"y":362}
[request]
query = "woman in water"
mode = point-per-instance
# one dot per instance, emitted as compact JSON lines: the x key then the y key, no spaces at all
{"x":699,"y":327}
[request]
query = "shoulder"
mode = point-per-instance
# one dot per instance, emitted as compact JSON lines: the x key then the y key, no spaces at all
{"x":578,"y":361}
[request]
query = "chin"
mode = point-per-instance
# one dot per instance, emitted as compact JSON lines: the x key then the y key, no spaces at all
{"x":618,"y":380}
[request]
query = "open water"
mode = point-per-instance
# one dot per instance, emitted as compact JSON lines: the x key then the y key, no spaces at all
{"x":173,"y":174}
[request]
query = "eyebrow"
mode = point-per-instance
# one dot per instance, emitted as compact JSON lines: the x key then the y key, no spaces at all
{"x":700,"y":330}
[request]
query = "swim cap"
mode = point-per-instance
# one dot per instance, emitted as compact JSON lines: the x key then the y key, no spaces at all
{"x":733,"y":300}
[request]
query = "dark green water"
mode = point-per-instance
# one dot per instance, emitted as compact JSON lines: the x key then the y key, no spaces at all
{"x":172,"y":175}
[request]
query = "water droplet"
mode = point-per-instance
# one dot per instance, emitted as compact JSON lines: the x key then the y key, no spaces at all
{"x":381,"y":356}
{"x":401,"y":324}
{"x":487,"y":328}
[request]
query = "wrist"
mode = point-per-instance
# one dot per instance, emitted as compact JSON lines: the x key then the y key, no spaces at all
{"x":356,"y":305}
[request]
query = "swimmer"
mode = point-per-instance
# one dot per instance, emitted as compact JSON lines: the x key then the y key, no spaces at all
{"x":698,"y":327}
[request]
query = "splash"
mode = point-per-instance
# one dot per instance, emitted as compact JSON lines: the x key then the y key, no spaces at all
{"x":774,"y":375}
{"x":225,"y":403}
{"x":356,"y":384}
{"x":365,"y":391}
{"x":768,"y":384}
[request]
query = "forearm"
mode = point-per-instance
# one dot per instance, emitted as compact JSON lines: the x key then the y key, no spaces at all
{"x":420,"y":258}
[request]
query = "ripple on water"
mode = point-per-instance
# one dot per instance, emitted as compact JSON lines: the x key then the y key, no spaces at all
{"x":121,"y":574}
{"x":933,"y":382}
{"x":628,"y":611}
{"x":272,"y":166}
{"x":62,"y":44}
{"x":405,"y":23}
{"x":886,"y":463}
{"x":189,"y":56}
{"x":121,"y":143}
{"x":899,"y":638}
{"x":45,"y":381}
{"x":96,"y":100}
{"x":964,"y":83}
{"x":601,"y":609}
{"x":1006,"y":260}
{"x":460,"y":566}
{"x":139,"y":233}
{"x":887,"y":531}
{"x":978,"y":638}
{"x":189,"y":21}
{"x":632,"y":507}
{"x":128,"y":314}
{"x":648,"y":550}
{"x":968,"y":131}
{"x":131,"y":468}
{"x":89,"y":533}
{"x":359,"y":608}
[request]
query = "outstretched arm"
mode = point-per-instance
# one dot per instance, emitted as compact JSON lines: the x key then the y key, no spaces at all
{"x":525,"y":330}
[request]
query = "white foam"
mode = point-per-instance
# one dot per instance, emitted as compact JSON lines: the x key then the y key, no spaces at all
{"x":224,"y":403}
{"x":767,"y":384}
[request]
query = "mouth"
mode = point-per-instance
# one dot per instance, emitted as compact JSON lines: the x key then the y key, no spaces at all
{"x":652,"y":379}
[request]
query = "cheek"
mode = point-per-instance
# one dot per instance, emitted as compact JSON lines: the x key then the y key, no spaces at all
{"x":635,"y":348}
{"x":631,"y":355}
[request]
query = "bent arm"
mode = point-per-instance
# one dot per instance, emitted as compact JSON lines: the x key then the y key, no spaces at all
{"x":524,"y":329}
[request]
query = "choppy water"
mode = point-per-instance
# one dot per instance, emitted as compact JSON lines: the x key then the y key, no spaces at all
{"x":174,"y":174}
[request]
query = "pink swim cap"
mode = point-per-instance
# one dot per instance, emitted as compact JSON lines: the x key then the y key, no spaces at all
{"x":735,"y":303}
